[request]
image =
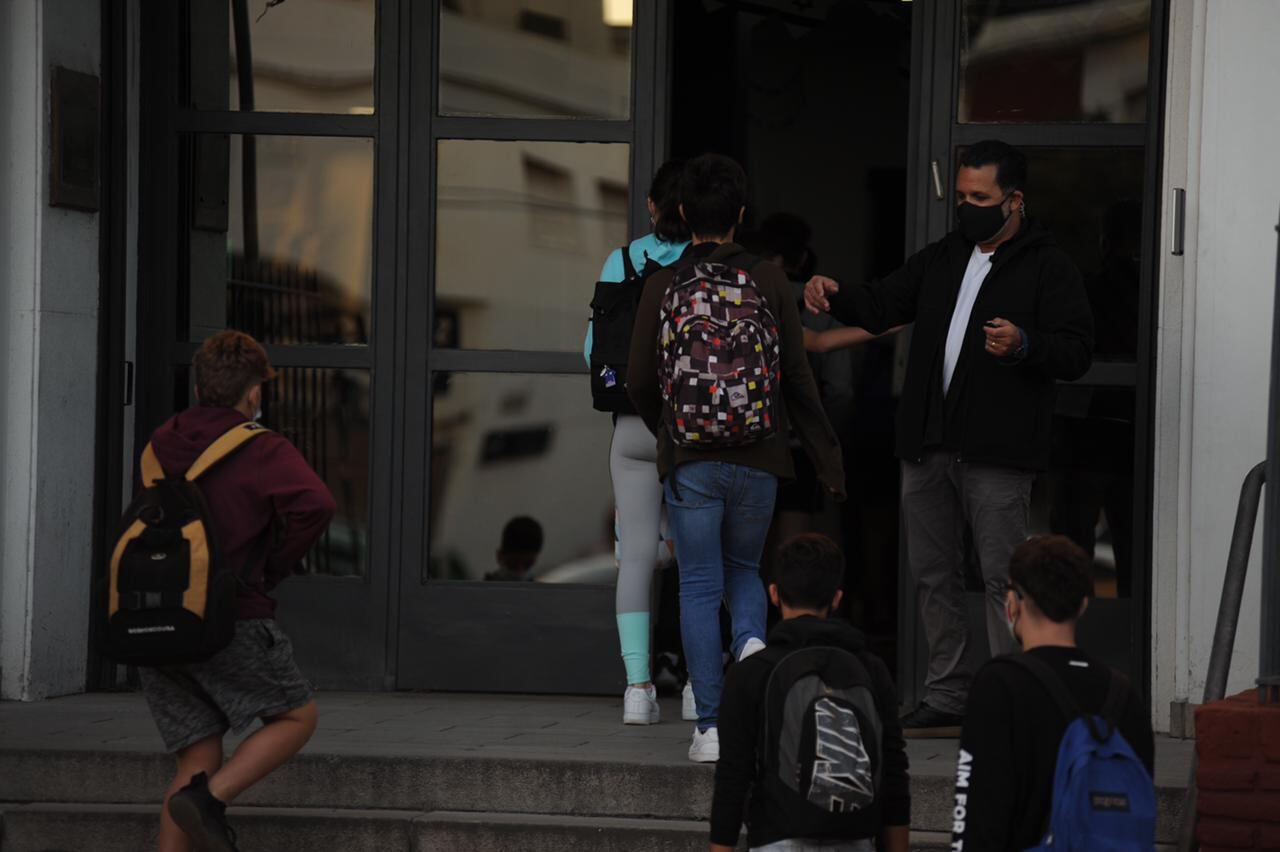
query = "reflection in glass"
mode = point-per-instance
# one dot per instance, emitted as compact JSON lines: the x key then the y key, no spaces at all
{"x":1054,"y":61}
{"x":522,"y":231}
{"x":325,"y":413}
{"x":285,"y":252}
{"x":316,"y":56}
{"x":1088,"y":493}
{"x":506,"y":446}
{"x":551,"y":59}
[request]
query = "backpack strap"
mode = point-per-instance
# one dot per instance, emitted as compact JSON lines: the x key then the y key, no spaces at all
{"x":152,"y":472}
{"x":1049,"y":679}
{"x":1117,"y":699}
{"x":230,"y":441}
{"x":628,"y":268}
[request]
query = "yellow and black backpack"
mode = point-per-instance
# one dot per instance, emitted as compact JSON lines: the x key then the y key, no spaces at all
{"x":170,"y":597}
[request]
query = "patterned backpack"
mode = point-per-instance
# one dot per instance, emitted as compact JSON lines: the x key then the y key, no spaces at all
{"x":718,"y":354}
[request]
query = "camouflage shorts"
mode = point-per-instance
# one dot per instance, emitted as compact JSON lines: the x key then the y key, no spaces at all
{"x":255,"y":677}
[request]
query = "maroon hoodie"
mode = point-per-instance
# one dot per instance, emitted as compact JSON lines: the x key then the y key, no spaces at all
{"x":269,"y":507}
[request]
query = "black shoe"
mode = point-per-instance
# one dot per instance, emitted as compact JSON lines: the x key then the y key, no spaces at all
{"x":925,"y":723}
{"x":202,"y":817}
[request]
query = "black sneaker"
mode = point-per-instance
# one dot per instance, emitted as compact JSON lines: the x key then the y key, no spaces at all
{"x":925,"y":723}
{"x":202,"y":817}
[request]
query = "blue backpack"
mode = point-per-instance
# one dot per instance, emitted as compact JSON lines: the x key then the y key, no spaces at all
{"x":1103,"y":798}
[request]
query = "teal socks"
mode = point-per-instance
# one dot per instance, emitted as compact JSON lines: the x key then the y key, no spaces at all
{"x":633,"y":635}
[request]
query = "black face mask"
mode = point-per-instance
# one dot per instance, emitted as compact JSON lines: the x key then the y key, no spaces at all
{"x":979,"y":224}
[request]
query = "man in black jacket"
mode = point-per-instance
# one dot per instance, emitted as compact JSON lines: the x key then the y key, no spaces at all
{"x":806,"y":587}
{"x":1001,"y":315}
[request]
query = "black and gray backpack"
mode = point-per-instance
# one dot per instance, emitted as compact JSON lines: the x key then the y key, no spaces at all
{"x":613,"y":316}
{"x":821,"y":743}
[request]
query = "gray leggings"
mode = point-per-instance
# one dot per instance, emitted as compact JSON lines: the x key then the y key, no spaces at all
{"x":633,"y":462}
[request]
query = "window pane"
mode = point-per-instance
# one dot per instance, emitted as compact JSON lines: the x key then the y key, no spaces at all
{"x":289,"y":257}
{"x":325,"y":413}
{"x":522,"y":231}
{"x":316,"y":56}
{"x":548,"y":58}
{"x":1088,"y":493}
{"x":1054,"y":60}
{"x":507,"y":445}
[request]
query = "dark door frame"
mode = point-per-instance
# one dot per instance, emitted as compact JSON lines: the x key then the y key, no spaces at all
{"x":443,"y":642}
{"x":935,"y":134}
{"x":340,"y":621}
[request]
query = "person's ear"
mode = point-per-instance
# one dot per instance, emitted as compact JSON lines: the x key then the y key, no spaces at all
{"x":1011,"y":604}
{"x":773,"y":595}
{"x":1016,"y":199}
{"x":682,"y":216}
{"x":255,"y":397}
{"x":835,"y":601}
{"x":195,"y":389}
{"x":653,"y":211}
{"x":1084,"y":607}
{"x":742,"y":214}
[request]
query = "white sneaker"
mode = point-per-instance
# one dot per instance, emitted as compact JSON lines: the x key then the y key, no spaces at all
{"x":688,"y":707}
{"x":753,"y":646}
{"x":705,"y":747}
{"x":640,"y":706}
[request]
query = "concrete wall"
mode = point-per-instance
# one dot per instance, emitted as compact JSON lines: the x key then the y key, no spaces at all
{"x":1214,"y":335}
{"x":49,"y":317}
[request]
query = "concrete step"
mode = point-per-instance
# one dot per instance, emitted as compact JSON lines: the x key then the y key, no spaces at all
{"x":128,"y":828}
{"x":435,"y":783}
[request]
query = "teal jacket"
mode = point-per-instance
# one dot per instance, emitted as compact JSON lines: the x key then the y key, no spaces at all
{"x":659,"y":251}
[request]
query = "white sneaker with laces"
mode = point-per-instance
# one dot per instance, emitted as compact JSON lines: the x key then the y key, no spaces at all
{"x":640,"y":706}
{"x":688,"y":707}
{"x":705,"y":747}
{"x":753,"y":646}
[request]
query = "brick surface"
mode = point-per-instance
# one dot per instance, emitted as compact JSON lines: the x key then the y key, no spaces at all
{"x":1224,"y":834}
{"x":1239,"y":774}
{"x":1228,"y":775}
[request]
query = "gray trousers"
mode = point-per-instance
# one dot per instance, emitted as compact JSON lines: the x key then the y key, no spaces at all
{"x":940,"y":495}
{"x":633,"y":463}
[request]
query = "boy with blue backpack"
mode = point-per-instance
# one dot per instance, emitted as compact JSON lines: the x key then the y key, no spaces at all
{"x":1056,"y":750}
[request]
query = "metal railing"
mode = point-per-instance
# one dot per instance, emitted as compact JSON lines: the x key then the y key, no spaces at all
{"x":1224,"y":634}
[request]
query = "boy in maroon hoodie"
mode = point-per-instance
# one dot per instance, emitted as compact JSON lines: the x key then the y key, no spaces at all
{"x":269,"y":508}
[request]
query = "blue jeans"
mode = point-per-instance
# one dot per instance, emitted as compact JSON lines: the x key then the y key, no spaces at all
{"x":719,"y":515}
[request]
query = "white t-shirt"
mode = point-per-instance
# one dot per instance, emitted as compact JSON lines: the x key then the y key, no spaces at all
{"x":974,"y":274}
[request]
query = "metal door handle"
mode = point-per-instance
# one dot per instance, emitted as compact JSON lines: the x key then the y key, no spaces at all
{"x":1179,"y":236}
{"x":937,"y":181}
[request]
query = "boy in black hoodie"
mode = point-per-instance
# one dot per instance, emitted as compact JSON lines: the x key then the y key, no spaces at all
{"x":806,"y":587}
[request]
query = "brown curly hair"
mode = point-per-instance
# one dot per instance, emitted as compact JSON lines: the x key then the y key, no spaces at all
{"x":227,"y":366}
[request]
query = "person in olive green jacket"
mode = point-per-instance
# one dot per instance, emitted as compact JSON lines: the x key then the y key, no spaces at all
{"x":720,"y":499}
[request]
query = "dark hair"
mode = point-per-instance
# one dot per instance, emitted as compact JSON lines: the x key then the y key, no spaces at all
{"x":1010,"y":163}
{"x":1053,"y":571}
{"x":809,"y":571}
{"x":713,"y":189}
{"x":664,"y":192}
{"x":227,"y":365}
{"x":788,"y":236}
{"x":522,"y":534}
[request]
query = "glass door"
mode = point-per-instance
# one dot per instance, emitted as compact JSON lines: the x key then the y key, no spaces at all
{"x":1077,"y":85}
{"x":268,"y":188}
{"x":532,"y":141}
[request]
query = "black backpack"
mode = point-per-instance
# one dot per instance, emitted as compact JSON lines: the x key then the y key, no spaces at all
{"x":613,"y":316}
{"x":170,"y":598}
{"x":821,"y":744}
